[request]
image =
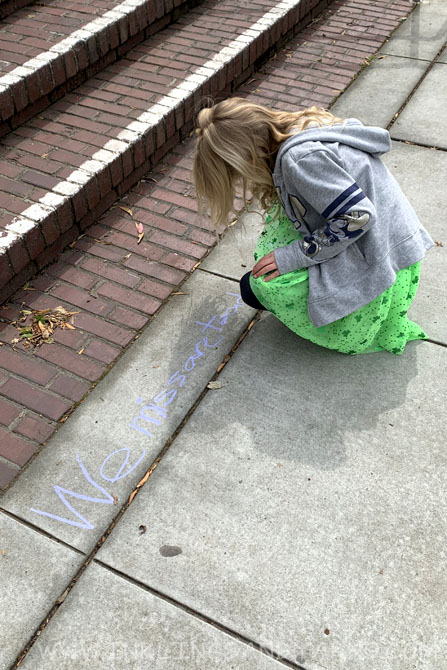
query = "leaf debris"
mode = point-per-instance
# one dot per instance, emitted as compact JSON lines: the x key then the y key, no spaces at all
{"x":36,"y":327}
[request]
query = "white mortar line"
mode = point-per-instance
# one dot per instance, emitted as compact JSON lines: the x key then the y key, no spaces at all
{"x":136,"y":129}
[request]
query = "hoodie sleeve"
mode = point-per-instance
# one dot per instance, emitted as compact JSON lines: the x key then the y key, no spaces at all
{"x":336,"y":196}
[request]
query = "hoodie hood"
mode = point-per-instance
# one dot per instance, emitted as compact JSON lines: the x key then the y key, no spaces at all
{"x":352,"y":132}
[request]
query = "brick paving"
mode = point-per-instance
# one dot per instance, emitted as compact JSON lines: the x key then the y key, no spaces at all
{"x":117,"y":285}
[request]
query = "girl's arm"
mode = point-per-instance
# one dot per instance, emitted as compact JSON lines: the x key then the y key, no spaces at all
{"x":334,"y":194}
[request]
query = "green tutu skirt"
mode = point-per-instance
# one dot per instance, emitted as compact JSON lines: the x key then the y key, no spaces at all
{"x":380,"y":325}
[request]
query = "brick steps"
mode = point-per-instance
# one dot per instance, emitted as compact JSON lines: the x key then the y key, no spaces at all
{"x":67,"y":165}
{"x":49,"y":49}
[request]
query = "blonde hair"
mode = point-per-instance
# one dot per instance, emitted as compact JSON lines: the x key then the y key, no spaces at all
{"x":236,"y":144}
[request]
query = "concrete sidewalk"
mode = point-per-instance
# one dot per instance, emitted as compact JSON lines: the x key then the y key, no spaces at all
{"x":295,"y":515}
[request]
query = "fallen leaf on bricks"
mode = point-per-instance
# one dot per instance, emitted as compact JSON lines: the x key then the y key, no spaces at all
{"x":214,"y":385}
{"x":140,"y":231}
{"x":126,"y":209}
{"x":37,"y":326}
{"x":81,"y":351}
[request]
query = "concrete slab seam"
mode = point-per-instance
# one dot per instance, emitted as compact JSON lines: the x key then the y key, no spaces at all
{"x":202,"y":617}
{"x":428,"y":70}
{"x":41,"y":531}
{"x":417,"y":144}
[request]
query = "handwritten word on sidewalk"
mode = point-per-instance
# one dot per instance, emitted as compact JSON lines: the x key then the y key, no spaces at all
{"x":151,"y":414}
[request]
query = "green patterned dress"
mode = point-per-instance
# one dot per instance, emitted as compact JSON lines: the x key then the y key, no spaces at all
{"x":380,"y":325}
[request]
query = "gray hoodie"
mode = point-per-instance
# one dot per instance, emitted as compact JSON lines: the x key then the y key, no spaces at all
{"x":358,"y":227}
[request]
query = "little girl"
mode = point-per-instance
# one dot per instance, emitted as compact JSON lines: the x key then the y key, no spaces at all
{"x":338,"y":261}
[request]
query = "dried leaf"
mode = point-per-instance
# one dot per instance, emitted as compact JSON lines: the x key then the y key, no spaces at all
{"x":68,"y":325}
{"x":3,"y":551}
{"x":62,"y":597}
{"x":81,"y":351}
{"x":115,"y":499}
{"x":326,"y":631}
{"x":126,"y":209}
{"x":251,"y":324}
{"x":439,"y":244}
{"x":132,"y":496}
{"x":140,"y":231}
{"x":195,"y":266}
{"x":142,"y":529}
{"x":144,"y":480}
{"x":214,"y":385}
{"x":223,"y":364}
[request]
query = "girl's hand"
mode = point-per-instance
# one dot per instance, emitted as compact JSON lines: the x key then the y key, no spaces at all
{"x":265,"y":265}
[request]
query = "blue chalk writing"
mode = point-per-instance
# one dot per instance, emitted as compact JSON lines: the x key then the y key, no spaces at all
{"x":151,"y":414}
{"x":189,"y":365}
{"x":118,"y":475}
{"x":208,"y":325}
{"x":108,"y":499}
